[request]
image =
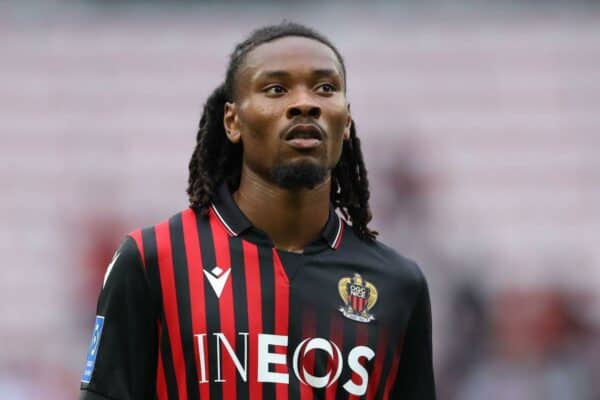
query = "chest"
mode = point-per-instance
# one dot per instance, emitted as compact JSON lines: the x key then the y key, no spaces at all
{"x":256,"y":316}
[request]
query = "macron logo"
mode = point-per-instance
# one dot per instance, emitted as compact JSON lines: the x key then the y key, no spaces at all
{"x":217,"y":279}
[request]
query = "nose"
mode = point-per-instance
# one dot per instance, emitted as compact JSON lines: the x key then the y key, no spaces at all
{"x":304,"y":106}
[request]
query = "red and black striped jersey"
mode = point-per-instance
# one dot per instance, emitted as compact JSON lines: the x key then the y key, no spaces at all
{"x":204,"y":307}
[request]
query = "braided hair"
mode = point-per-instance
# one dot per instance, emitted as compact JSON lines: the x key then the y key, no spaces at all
{"x":216,"y":160}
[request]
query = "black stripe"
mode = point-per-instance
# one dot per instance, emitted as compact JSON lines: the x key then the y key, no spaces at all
{"x":182,"y":288}
{"x":323,"y":325}
{"x":267,"y":283}
{"x":241,"y":309}
{"x":213,"y":321}
{"x":151,"y":257}
{"x":167,"y":358}
{"x":294,"y":338}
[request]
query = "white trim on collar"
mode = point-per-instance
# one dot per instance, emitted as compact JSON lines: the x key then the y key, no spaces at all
{"x":225,"y":224}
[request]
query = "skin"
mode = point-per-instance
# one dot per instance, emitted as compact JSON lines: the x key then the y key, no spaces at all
{"x":282,"y":83}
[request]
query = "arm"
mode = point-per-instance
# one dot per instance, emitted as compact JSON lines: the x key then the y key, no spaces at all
{"x":415,"y":378}
{"x":124,"y":343}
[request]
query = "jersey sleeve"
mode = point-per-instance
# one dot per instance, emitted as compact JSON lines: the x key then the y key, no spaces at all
{"x":122,"y":357}
{"x":415,"y":379}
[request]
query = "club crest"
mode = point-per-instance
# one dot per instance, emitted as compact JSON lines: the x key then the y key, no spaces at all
{"x":359,"y":297}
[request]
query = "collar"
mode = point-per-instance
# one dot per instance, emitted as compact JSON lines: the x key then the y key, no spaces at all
{"x":236,"y":223}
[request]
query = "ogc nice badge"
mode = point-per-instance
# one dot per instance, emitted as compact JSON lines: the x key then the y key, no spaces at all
{"x":359,"y":297}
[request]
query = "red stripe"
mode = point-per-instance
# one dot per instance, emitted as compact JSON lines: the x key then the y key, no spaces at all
{"x":197,"y":294}
{"x":282,"y":288}
{"x":226,"y":310}
{"x":362,"y":339}
{"x":169,"y":294}
{"x":161,"y":383}
{"x":335,"y":333}
{"x":392,"y":375}
{"x":137,"y":236}
{"x":255,"y":324}
{"x":380,"y":354}
{"x":308,"y":331}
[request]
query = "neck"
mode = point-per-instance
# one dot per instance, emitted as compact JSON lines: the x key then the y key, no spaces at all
{"x":291,"y":218}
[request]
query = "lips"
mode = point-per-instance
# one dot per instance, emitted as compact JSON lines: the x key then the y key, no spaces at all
{"x":304,"y":136}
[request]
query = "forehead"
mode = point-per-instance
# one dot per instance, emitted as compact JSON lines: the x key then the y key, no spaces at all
{"x":289,"y":54}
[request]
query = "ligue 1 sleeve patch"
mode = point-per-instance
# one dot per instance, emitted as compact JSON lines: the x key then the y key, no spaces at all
{"x":93,"y":350}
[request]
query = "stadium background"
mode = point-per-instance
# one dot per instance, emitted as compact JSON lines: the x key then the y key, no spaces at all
{"x":481,"y":128}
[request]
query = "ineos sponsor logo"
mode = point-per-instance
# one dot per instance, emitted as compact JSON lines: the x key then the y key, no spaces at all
{"x":268,"y":359}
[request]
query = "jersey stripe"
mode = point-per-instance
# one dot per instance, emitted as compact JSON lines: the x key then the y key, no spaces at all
{"x":267,"y":283}
{"x":255,"y":324}
{"x":392,"y":375}
{"x":165,"y":376}
{"x":197,"y":296}
{"x":182,"y":286}
{"x":380,"y":354}
{"x":323,"y":363}
{"x":348,"y":333}
{"x":167,"y":278}
{"x":213,"y":322}
{"x":167,"y":363}
{"x":226,"y":310}
{"x":282,"y":287}
{"x":161,"y":384}
{"x":335,"y":334}
{"x":309,"y":330}
{"x":139,"y":241}
{"x":240,"y":305}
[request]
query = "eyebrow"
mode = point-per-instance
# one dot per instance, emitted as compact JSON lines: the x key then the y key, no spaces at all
{"x":281,"y":74}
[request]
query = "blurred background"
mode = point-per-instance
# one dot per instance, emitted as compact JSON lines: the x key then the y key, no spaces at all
{"x":480,"y":123}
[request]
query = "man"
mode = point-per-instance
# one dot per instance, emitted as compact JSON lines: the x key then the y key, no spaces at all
{"x":260,"y":290}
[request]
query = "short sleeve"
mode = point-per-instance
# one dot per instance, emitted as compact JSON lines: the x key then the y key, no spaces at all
{"x":122,"y":357}
{"x":415,"y":379}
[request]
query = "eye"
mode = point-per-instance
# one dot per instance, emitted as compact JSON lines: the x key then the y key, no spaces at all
{"x":274,"y":89}
{"x":326,"y":88}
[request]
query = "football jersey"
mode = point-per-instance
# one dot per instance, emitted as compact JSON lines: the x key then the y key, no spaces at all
{"x":203,"y":306}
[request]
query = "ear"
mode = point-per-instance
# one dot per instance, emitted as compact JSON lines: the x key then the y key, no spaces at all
{"x":348,"y":124}
{"x":231,"y":123}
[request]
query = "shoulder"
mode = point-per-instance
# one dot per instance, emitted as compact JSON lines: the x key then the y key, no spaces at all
{"x":125,"y":261}
{"x":152,"y":240}
{"x":125,"y":273}
{"x":389,"y":261}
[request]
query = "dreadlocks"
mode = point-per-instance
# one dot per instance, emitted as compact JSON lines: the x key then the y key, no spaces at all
{"x":216,"y":160}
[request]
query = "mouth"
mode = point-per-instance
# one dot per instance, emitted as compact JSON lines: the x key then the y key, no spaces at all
{"x":304,"y":136}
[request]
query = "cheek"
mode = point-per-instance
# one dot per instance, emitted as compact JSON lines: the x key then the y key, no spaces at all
{"x":260,"y":133}
{"x":258,"y":118}
{"x":338,"y":116}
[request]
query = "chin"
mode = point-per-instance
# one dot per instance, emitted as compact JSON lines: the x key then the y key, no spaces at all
{"x":299,"y":175}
